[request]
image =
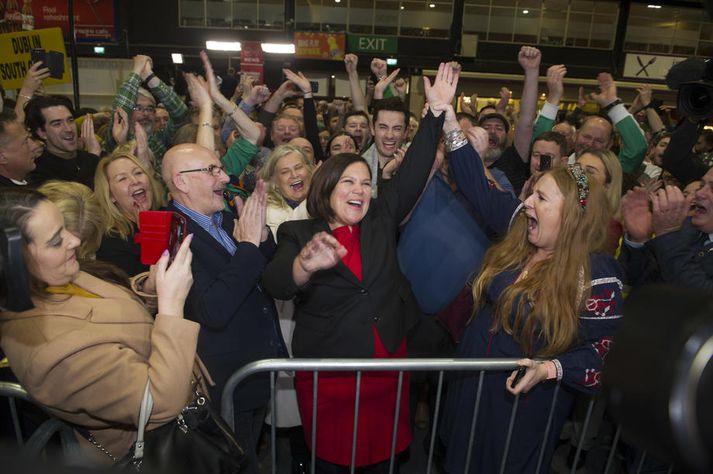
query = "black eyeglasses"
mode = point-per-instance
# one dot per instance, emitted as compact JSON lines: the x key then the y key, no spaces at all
{"x":215,"y":170}
{"x":140,"y":109}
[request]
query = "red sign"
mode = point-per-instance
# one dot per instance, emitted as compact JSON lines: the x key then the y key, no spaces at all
{"x":251,"y":60}
{"x":310,"y":45}
{"x":93,"y":19}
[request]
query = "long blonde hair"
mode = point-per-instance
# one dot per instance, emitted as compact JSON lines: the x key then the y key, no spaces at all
{"x":117,"y":221}
{"x":268,"y":170}
{"x":547,"y":301}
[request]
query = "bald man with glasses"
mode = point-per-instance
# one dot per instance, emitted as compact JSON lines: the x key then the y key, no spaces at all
{"x":238,"y":319}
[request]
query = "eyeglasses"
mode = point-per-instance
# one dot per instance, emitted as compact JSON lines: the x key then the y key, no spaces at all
{"x":215,"y":170}
{"x":148,"y":109}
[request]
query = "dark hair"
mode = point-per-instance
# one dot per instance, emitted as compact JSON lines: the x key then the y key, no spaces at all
{"x":327,"y":153}
{"x":16,"y":207}
{"x":550,"y":136}
{"x":496,"y":116}
{"x":465,"y":115}
{"x":34,"y":118}
{"x":354,"y":113}
{"x":390,"y":104}
{"x":325,"y":179}
{"x":7,"y":117}
{"x":490,"y":105}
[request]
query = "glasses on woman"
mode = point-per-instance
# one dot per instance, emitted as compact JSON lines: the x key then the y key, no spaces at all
{"x":215,"y":170}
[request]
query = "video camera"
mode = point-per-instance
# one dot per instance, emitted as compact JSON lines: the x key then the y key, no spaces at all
{"x":695,"y":97}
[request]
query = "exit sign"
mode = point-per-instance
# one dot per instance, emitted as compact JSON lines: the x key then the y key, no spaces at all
{"x":372,"y":44}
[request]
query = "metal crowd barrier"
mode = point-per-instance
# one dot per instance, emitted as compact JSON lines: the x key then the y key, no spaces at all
{"x":273,"y":366}
{"x":41,"y":436}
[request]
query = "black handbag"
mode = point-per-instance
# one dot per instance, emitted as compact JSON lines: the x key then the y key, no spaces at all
{"x":197,"y":441}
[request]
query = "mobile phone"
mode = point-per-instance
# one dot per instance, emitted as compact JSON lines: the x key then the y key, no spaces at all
{"x":545,"y":162}
{"x":315,"y":86}
{"x":158,"y":231}
{"x":520,"y":373}
{"x":53,"y":60}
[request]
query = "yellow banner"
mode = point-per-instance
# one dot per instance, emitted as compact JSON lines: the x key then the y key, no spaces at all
{"x":16,"y":49}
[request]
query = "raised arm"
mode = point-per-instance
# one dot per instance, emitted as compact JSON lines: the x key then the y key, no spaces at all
{"x":529,"y":58}
{"x":32,"y":82}
{"x":358,"y":99}
{"x":555,"y":89}
{"x":309,"y":112}
{"x":198,"y":90}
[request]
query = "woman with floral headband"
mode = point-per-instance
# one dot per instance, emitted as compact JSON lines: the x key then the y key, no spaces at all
{"x":545,"y":294}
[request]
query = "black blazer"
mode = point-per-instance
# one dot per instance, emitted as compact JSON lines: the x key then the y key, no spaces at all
{"x":334,"y":311}
{"x":238,"y":319}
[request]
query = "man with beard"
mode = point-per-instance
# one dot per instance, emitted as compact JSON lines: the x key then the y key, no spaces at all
{"x":51,"y":118}
{"x":139,"y":106}
{"x":389,"y":125}
{"x":513,"y":160}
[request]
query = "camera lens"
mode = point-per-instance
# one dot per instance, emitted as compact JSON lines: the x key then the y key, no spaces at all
{"x":696,"y":100}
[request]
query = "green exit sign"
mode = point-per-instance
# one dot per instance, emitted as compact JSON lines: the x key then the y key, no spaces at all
{"x":372,"y":44}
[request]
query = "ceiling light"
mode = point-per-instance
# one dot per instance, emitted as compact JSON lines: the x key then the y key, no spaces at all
{"x":391,"y":61}
{"x":223,"y":45}
{"x":402,"y":7}
{"x":99,"y":50}
{"x":654,"y":6}
{"x":337,"y":1}
{"x":525,"y":12}
{"x":432,"y":5}
{"x":278,"y":48}
{"x":177,"y":58}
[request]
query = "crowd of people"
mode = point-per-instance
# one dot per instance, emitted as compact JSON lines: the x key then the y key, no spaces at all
{"x":350,"y":228}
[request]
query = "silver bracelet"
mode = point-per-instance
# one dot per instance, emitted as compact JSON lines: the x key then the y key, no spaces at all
{"x":455,"y":139}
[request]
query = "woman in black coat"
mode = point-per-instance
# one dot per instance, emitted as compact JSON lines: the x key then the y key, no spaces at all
{"x":351,"y":298}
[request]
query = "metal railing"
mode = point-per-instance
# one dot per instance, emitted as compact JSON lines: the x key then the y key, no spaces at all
{"x":273,"y":366}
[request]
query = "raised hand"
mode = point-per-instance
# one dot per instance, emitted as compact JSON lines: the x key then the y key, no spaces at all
{"x":257,"y":95}
{"x":502,"y":104}
{"x":400,"y":87}
{"x":441,"y":93}
{"x":211,"y":80}
{"x":322,"y":252}
{"x":555,"y":85}
{"x":636,"y":214}
{"x":120,"y":126}
{"x":199,"y":91}
{"x":350,"y":63}
{"x":33,"y":79}
{"x":91,"y":144}
{"x":607,"y":90}
{"x":581,"y":98}
{"x":669,"y":210}
{"x":173,"y":282}
{"x":140,"y":61}
{"x":250,"y":227}
{"x":378,"y":67}
{"x":529,"y":58}
{"x":645,"y":95}
{"x":143,"y":152}
{"x":384,"y":83}
{"x":299,"y":80}
{"x":478,"y":139}
{"x":392,"y":166}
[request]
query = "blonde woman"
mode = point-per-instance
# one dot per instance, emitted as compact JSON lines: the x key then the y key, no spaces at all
{"x":546,"y":292}
{"x":124,"y":187}
{"x":604,"y":167}
{"x":287,"y":173}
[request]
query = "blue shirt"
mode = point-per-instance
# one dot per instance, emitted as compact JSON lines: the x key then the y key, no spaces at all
{"x":211,"y":224}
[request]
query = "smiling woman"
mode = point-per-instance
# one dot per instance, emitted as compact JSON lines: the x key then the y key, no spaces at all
{"x":124,"y":187}
{"x":352,"y":299}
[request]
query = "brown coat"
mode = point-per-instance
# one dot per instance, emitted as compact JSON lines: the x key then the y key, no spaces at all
{"x":88,"y":360}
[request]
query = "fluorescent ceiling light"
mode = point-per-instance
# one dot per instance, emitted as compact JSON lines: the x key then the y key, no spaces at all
{"x":432,"y":5}
{"x":98,"y":49}
{"x":654,"y":6}
{"x":525,"y":12}
{"x":278,"y":48}
{"x":391,"y":61}
{"x":177,"y":58}
{"x":223,"y":45}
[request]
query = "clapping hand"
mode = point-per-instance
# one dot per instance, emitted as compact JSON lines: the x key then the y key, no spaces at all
{"x":91,"y":144}
{"x":607,"y":90}
{"x":120,"y":126}
{"x":555,"y":86}
{"x":637,"y":215}
{"x":299,"y":80}
{"x":250,"y":227}
{"x":669,"y":210}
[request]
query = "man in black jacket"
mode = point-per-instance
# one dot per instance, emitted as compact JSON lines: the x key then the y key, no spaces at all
{"x":17,"y":151}
{"x":238,"y":319}
{"x":51,"y":118}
